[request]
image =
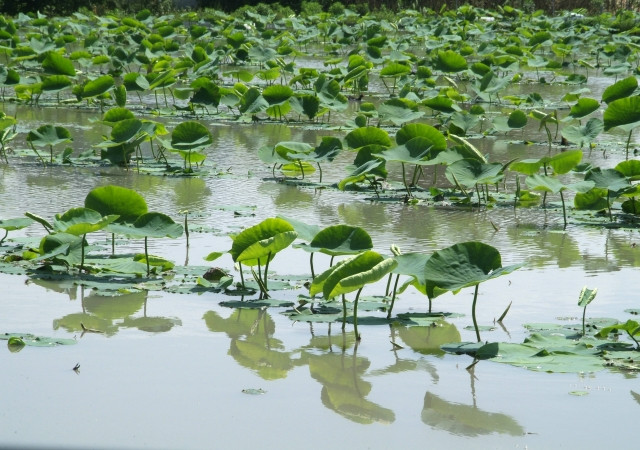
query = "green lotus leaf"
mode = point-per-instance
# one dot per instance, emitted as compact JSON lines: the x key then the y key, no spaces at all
{"x":266,"y":238}
{"x":469,"y":172}
{"x":414,"y":151}
{"x":79,"y":221}
{"x":339,"y":240}
{"x":623,"y":113}
{"x":191,"y":136}
{"x":49,"y":135}
{"x":584,"y":135}
{"x":252,"y":102}
{"x":412,"y":130}
{"x":630,"y":169}
{"x":116,"y":115}
{"x":594,"y":199}
{"x":134,"y":81}
{"x":277,"y":94}
{"x":56,"y":64}
{"x":466,"y":149}
{"x":125,"y":130}
{"x":110,"y":199}
{"x":620,"y":89}
{"x":564,"y":162}
{"x":98,"y":86}
{"x":394,"y":70}
{"x":56,"y":83}
{"x":364,"y":136}
{"x":450,"y":62}
{"x":398,"y":111}
{"x":609,"y":179}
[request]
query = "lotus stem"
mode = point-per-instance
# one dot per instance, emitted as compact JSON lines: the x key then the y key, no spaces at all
{"x":344,"y":312}
{"x":564,"y":210}
{"x":584,"y":313}
{"x":313,"y":275}
{"x":241,"y":276}
{"x":355,"y":315}
{"x":628,"y":141}
{"x":301,"y":168}
{"x":609,"y":205}
{"x":393,"y":298}
{"x":82,"y":252}
{"x":186,"y":227}
{"x":6,"y":233}
{"x":146,"y":254}
{"x":473,"y":313}
{"x":320,"y":170}
{"x":113,"y":244}
{"x":404,"y":180}
{"x":266,"y":269}
{"x":386,"y":291}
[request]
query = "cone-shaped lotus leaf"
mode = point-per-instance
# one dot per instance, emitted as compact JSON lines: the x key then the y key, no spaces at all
{"x":464,"y":265}
{"x":126,"y":203}
{"x":66,"y":246}
{"x":78,"y":221}
{"x":252,"y":102}
{"x":56,"y":64}
{"x":98,"y":86}
{"x":583,"y":107}
{"x":412,"y":130}
{"x":450,"y":62}
{"x":361,"y":137}
{"x":352,"y":274}
{"x":339,"y":240}
{"x":191,"y":136}
{"x":277,"y":94}
{"x":620,"y":89}
{"x":266,"y":238}
{"x":306,"y":104}
{"x":584,"y":135}
{"x":399,"y":111}
{"x":49,"y":135}
{"x":469,"y":172}
{"x":55,"y":83}
{"x":623,"y":113}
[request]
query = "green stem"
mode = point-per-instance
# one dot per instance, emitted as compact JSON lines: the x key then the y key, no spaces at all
{"x":628,"y":141}
{"x":82,"y":252}
{"x":584,"y":312}
{"x":186,"y":228}
{"x":146,"y":254}
{"x":266,"y":269}
{"x":564,"y":210}
{"x":473,"y":313}
{"x":404,"y":180}
{"x":113,"y":244}
{"x":320,"y":170}
{"x":355,"y":315}
{"x":6,"y":233}
{"x":313,"y":275}
{"x":241,"y":276}
{"x":393,"y":298}
{"x":344,"y":312}
{"x":386,"y":291}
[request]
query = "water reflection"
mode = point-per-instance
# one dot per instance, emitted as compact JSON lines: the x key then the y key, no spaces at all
{"x":108,"y":314}
{"x":427,"y":340}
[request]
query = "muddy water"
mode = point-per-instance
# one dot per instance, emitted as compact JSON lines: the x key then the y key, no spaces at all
{"x":171,"y":369}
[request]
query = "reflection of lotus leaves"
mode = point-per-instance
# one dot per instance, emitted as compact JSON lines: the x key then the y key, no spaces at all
{"x":242,"y":322}
{"x":268,"y":363}
{"x":553,"y":246}
{"x":68,"y":287}
{"x":345,"y":340}
{"x":115,"y":307}
{"x":344,"y":390}
{"x":71,"y":323}
{"x":626,"y":252}
{"x":427,"y":340}
{"x":466,"y":420}
{"x":192,"y":193}
{"x":151,"y":324}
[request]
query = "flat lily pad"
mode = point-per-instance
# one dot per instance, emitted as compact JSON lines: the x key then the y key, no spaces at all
{"x":257,"y":304}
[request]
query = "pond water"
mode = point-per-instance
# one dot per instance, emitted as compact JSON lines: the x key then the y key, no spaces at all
{"x":181,"y":371}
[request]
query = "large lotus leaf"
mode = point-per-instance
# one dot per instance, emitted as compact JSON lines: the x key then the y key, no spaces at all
{"x":266,"y":238}
{"x":564,"y":162}
{"x":469,"y":172}
{"x":441,"y":103}
{"x":609,"y":179}
{"x":56,"y":64}
{"x":292,"y":151}
{"x":623,"y":113}
{"x":412,"y":264}
{"x":124,"y":131}
{"x":412,"y":130}
{"x":110,"y":199}
{"x":467,"y":149}
{"x":361,"y":172}
{"x":466,"y":420}
{"x":78,"y":221}
{"x":327,"y":150}
{"x":15,"y":224}
{"x":261,"y":54}
{"x":252,"y":102}
{"x":268,"y":154}
{"x":305,"y":104}
{"x":620,"y":89}
{"x":355,"y":273}
{"x":398,"y":111}
{"x":584,"y":135}
{"x":464,"y":121}
{"x":630,"y":169}
{"x":98,"y":86}
{"x":546,"y":183}
{"x":540,"y":37}
{"x":134,"y":81}
{"x":49,"y":135}
{"x":190,"y":136}
{"x":55,"y":83}
{"x":157,"y":225}
{"x":584,"y":107}
{"x":411,"y":152}
{"x":594,"y":199}
{"x":361,"y":137}
{"x":395,"y":70}
{"x":61,"y":245}
{"x":277,"y":94}
{"x":449,"y":61}
{"x":305,"y":231}
{"x":340,"y":240}
{"x":116,"y":115}
{"x":463,"y":265}
{"x":516,"y":120}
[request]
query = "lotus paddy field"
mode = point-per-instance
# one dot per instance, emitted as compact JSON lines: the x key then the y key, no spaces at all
{"x":254,"y":231}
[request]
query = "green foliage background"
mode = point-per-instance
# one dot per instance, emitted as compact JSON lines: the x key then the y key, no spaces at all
{"x":64,"y":7}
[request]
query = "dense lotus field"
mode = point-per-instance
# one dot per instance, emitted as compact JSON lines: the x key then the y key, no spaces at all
{"x":409,"y":101}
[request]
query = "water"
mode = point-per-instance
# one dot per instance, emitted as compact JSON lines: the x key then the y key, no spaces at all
{"x":171,"y":371}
